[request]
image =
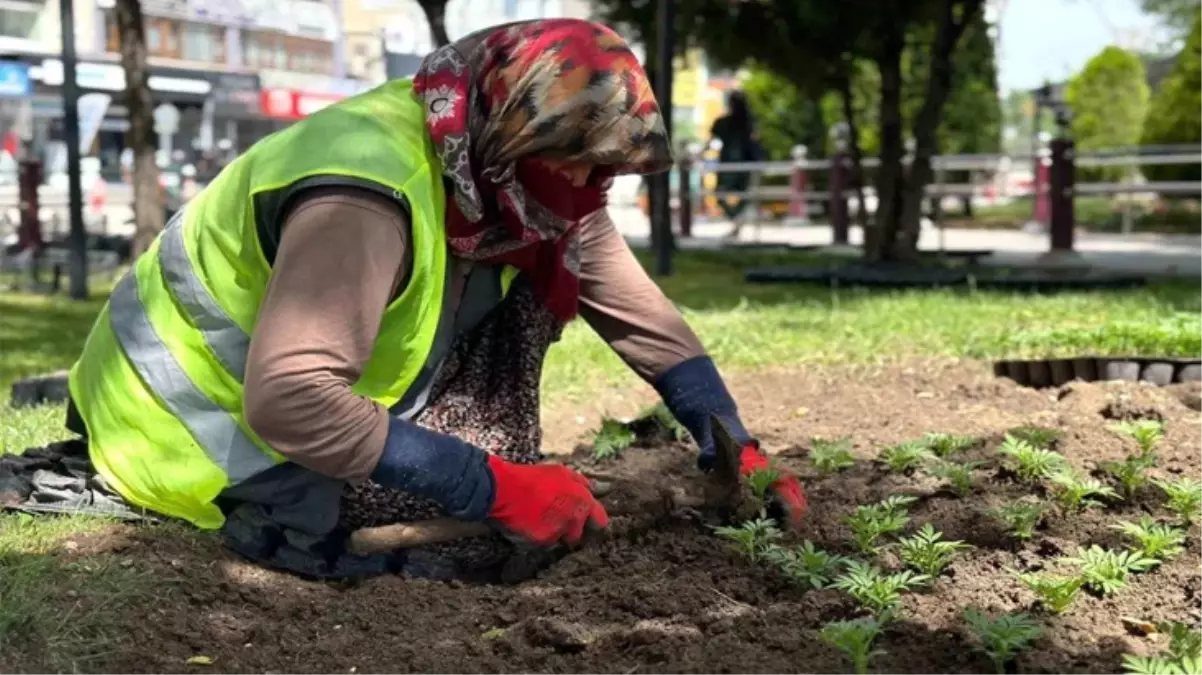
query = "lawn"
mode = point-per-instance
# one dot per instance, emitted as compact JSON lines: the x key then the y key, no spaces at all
{"x":745,"y":327}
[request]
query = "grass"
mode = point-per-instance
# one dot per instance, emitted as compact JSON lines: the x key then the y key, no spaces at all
{"x":743,"y":326}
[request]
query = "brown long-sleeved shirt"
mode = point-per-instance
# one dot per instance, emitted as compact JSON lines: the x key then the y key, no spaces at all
{"x":344,"y":254}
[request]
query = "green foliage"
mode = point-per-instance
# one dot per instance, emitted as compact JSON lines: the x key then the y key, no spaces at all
{"x":1147,"y":434}
{"x":1156,"y":540}
{"x":1184,"y":498}
{"x":1076,"y":492}
{"x":1131,"y":473}
{"x":928,"y":552}
{"x":876,"y":591}
{"x":1175,"y":112}
{"x":1040,"y":437}
{"x":1030,"y":462}
{"x":760,"y":481}
{"x":1183,"y":657}
{"x":831,"y":456}
{"x":1179,"y":334}
{"x":1020,"y":518}
{"x":1055,"y":592}
{"x":1004,"y":637}
{"x":660,"y":414}
{"x":807,"y":565}
{"x":946,"y":445}
{"x":784,"y":116}
{"x":611,"y":439}
{"x":753,"y":538}
{"x":958,"y":476}
{"x":854,"y":638}
{"x":1106,"y":571}
{"x":869,"y":523}
{"x":905,"y":456}
{"x":1109,"y":99}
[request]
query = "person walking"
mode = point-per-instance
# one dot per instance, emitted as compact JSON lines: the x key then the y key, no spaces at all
{"x":735,"y":135}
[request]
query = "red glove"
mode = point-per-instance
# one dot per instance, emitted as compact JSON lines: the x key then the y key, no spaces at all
{"x":543,"y":503}
{"x":787,"y":488}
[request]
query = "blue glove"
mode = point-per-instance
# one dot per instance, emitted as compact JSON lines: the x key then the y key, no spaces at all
{"x":693,"y":390}
{"x":436,"y":466}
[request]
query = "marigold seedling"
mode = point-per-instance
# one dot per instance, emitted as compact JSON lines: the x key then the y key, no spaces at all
{"x":753,"y":538}
{"x":1020,"y":518}
{"x":1040,"y":437}
{"x":611,"y":439}
{"x":1155,"y":665}
{"x":1131,"y":473}
{"x":1184,"y":498}
{"x":1183,"y":657}
{"x":946,"y":445}
{"x":928,"y":552}
{"x":870,"y":523}
{"x":1106,"y":571}
{"x":875,"y":590}
{"x":1031,"y":463}
{"x":905,"y":456}
{"x":1055,"y":592}
{"x":958,"y":476}
{"x":806,"y":565}
{"x":760,"y":481}
{"x":1147,"y":434}
{"x":1156,"y":540}
{"x":855,"y":639}
{"x":664,"y":417}
{"x":1002,"y":638}
{"x":1076,"y":492}
{"x":831,"y":456}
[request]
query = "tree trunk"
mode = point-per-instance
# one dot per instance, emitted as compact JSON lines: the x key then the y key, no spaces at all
{"x":853,"y":149}
{"x":890,"y":178}
{"x":436,"y":16}
{"x":148,"y":195}
{"x":955,"y":17}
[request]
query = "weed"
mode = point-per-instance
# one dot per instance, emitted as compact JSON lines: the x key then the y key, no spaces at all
{"x":1147,"y":434}
{"x":1030,"y":462}
{"x":1040,"y":437}
{"x":905,"y":456}
{"x":958,"y":476}
{"x":1020,"y":518}
{"x":832,"y":456}
{"x":611,"y":439}
{"x":946,"y":445}
{"x":806,"y":565}
{"x":1131,"y":473}
{"x":1106,"y":571}
{"x":1002,"y":638}
{"x":753,"y":538}
{"x":1076,"y":492}
{"x":1184,"y":656}
{"x":1055,"y":593}
{"x":1184,"y":498}
{"x":869,"y":523}
{"x":1156,"y":540}
{"x":927,"y":551}
{"x":875,"y":590}
{"x":854,"y":638}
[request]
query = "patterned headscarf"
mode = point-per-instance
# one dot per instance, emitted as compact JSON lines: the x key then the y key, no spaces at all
{"x":501,"y":101}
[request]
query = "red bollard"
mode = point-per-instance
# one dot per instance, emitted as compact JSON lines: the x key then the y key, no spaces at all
{"x":29,"y":232}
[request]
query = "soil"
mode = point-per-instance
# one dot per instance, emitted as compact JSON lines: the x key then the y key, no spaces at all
{"x":663,"y":595}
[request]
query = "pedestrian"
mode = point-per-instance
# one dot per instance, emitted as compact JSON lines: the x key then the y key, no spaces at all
{"x":346,"y":327}
{"x":737,"y":142}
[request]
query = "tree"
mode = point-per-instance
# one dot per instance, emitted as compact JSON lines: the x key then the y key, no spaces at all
{"x":1177,"y":15}
{"x":784,"y":116}
{"x":148,"y":194}
{"x":436,"y":16}
{"x":1108,"y":100}
{"x":1175,"y":112}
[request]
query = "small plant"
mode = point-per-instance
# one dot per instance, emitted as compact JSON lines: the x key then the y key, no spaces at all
{"x":927,"y":551}
{"x":1055,"y":593}
{"x":760,"y":481}
{"x":807,"y":565}
{"x":905,"y":456}
{"x":1030,"y":462}
{"x":957,"y":476}
{"x":875,"y":590}
{"x":1147,"y":434}
{"x":1156,"y":540}
{"x":832,"y":456}
{"x":1106,"y":571}
{"x":1131,"y":473}
{"x":1076,"y":492}
{"x":946,"y":445}
{"x":870,"y":523}
{"x":753,"y":538}
{"x":1002,"y":638}
{"x":1184,"y":656}
{"x":611,"y":439}
{"x":660,"y":414}
{"x":1040,"y":437}
{"x":1020,"y":518}
{"x":854,"y":638}
{"x":1184,"y":498}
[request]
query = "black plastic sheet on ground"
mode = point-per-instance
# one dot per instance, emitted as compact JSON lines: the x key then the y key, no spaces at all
{"x":908,"y":275}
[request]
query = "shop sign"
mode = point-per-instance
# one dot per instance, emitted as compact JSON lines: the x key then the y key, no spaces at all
{"x":14,"y":79}
{"x":292,"y":105}
{"x":111,"y":77}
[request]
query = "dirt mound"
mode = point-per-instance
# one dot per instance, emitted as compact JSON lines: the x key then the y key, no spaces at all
{"x":673,"y":598}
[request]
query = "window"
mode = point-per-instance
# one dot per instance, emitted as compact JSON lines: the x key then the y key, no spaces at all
{"x":17,"y":21}
{"x":202,"y":42}
{"x":286,"y":52}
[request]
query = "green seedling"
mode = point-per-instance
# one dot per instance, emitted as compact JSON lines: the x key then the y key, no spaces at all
{"x":760,"y":481}
{"x":1030,"y":462}
{"x":831,"y":456}
{"x":1147,"y":434}
{"x":946,"y":445}
{"x":870,"y":523}
{"x":875,"y":590}
{"x":1157,"y":665}
{"x":1184,"y":656}
{"x":1156,"y":540}
{"x":1055,"y":593}
{"x":905,"y":456}
{"x":1106,"y":571}
{"x":664,"y":417}
{"x":1040,"y":437}
{"x":957,"y":476}
{"x":1004,"y":637}
{"x":854,"y":638}
{"x":611,"y":439}
{"x":1131,"y":473}
{"x":753,"y":538}
{"x":1020,"y":518}
{"x":806,"y":565}
{"x":1076,"y":492}
{"x":928,"y":552}
{"x":1184,"y":498}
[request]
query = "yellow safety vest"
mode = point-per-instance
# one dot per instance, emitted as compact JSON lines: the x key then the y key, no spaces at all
{"x":159,"y":382}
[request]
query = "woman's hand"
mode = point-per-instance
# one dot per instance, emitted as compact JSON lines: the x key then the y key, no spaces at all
{"x":786,"y":493}
{"x":544,"y":504}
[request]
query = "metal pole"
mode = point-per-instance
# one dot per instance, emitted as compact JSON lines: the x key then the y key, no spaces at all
{"x":78,"y":267}
{"x":661,"y":208}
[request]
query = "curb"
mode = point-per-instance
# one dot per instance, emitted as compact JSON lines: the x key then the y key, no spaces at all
{"x":1040,"y":373}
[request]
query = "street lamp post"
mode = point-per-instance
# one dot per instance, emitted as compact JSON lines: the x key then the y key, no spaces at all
{"x":78,"y":265}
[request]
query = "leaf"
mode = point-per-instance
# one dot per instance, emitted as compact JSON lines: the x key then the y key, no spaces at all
{"x":200,"y":661}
